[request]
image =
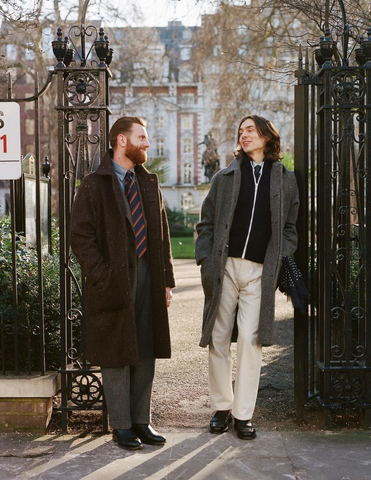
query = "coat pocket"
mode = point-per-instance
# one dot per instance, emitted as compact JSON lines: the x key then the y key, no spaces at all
{"x":106,"y":294}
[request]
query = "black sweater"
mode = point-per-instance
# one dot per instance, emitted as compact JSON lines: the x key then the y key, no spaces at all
{"x":261,"y":223}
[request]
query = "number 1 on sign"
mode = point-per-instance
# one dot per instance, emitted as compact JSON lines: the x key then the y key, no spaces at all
{"x":5,"y":149}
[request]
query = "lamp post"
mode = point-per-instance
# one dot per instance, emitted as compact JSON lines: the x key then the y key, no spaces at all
{"x":66,"y":56}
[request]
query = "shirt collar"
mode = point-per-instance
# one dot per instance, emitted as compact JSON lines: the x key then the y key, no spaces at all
{"x":121,"y":171}
{"x":254,"y":164}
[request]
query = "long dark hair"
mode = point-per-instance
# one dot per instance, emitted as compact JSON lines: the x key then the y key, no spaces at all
{"x":266,"y":129}
{"x":123,"y":125}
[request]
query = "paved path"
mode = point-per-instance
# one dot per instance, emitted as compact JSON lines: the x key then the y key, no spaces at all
{"x":190,"y":455}
{"x":181,"y":412}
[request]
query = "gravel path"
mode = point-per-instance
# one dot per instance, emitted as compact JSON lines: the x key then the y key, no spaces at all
{"x":181,"y":384}
{"x":180,"y":393}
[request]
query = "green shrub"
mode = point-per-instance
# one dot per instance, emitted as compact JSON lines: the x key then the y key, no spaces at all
{"x":28,"y":301}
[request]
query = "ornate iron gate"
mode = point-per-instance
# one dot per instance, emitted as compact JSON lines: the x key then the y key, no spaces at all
{"x":83,"y":113}
{"x":82,"y":77}
{"x":333,"y":168}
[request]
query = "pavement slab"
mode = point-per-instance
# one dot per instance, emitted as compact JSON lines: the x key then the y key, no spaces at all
{"x":189,"y":455}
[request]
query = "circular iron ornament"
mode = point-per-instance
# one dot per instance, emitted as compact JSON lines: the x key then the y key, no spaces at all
{"x":81,"y":88}
{"x":74,"y":314}
{"x":359,"y":352}
{"x":73,"y":354}
{"x":347,"y":87}
{"x":85,"y":389}
{"x":336,"y":351}
{"x":9,"y":329}
{"x":358,"y":313}
{"x":348,"y":387}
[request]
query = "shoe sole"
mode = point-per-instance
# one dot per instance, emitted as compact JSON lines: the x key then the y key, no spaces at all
{"x":154,"y":444}
{"x":250,"y":437}
{"x":138,"y":447}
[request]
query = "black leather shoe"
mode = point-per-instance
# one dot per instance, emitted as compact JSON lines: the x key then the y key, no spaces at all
{"x":126,"y":439}
{"x":220,"y":421}
{"x":245,"y":430}
{"x":148,"y":434}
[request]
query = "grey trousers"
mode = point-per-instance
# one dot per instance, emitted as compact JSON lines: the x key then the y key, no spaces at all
{"x":128,"y":389}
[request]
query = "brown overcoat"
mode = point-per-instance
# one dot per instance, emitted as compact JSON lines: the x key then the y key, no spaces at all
{"x":213,"y":237}
{"x":103,"y":241}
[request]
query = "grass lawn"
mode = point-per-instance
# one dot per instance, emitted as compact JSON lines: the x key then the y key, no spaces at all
{"x":183,"y":247}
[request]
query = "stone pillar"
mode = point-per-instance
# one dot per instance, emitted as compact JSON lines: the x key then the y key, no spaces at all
{"x":26,"y":402}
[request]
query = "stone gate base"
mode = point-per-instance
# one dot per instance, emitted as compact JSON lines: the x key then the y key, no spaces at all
{"x":26,"y":402}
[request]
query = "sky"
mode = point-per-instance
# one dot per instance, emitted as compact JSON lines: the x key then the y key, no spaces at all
{"x":160,"y":12}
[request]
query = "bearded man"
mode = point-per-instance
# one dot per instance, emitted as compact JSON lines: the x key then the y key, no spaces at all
{"x":120,"y":236}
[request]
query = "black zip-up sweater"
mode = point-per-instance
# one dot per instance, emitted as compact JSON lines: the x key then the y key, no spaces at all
{"x":261,"y":223}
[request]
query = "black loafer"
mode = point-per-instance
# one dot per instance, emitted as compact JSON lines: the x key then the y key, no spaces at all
{"x":148,"y":434}
{"x":126,"y":439}
{"x":220,"y":421}
{"x":245,"y":430}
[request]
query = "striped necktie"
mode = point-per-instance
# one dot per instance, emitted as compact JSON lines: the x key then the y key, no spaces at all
{"x":131,"y":193}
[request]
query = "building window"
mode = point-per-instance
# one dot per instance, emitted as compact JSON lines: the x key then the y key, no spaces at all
{"x":31,"y":166}
{"x":160,"y":147}
{"x":45,"y":124}
{"x":187,"y":122}
{"x":159,"y":122}
{"x":186,"y":201}
{"x":187,"y":173}
{"x":30,"y":126}
{"x":185,"y":53}
{"x":187,"y":98}
{"x":29,"y":54}
{"x":30,"y":148}
{"x":187,"y":145}
{"x":29,"y":105}
{"x":11,"y":52}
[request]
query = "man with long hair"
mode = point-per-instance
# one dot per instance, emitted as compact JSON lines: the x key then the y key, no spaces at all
{"x":247,"y":225}
{"x":120,"y":236}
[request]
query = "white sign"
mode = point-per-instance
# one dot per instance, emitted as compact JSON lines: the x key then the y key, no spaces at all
{"x":10,"y":141}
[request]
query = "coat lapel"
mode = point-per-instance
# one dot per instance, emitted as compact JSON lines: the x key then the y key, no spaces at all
{"x":234,"y":172}
{"x":105,"y":168}
{"x":121,"y":199}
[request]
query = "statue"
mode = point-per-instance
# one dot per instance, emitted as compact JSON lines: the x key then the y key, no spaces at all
{"x":210,"y":157}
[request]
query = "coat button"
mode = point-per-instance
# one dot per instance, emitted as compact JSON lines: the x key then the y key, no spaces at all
{"x":219,"y":280}
{"x":226,"y":226}
{"x":132,"y":244}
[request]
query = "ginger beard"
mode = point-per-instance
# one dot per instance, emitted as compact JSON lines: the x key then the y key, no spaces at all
{"x":135,"y":153}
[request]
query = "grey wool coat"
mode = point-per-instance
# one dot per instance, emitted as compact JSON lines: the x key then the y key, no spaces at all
{"x":102,"y":238}
{"x":213,"y":236}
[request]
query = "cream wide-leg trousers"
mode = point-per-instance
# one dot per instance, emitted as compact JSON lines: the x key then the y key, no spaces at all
{"x":242,"y":287}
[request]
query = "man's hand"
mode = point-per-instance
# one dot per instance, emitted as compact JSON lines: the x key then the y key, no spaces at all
{"x":169,"y":296}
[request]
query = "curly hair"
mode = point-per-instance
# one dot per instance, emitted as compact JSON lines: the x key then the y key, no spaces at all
{"x":123,"y":125}
{"x":266,"y":129}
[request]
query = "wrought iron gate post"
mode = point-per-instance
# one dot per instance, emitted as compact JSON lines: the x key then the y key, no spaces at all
{"x":334,"y":345}
{"x":83,"y":114}
{"x":301,"y":170}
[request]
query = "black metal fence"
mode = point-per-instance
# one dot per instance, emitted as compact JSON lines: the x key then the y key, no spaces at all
{"x":81,"y":76}
{"x":333,"y":168}
{"x":22,"y":328}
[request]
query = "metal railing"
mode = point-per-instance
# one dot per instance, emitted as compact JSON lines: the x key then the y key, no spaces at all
{"x":332,"y":165}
